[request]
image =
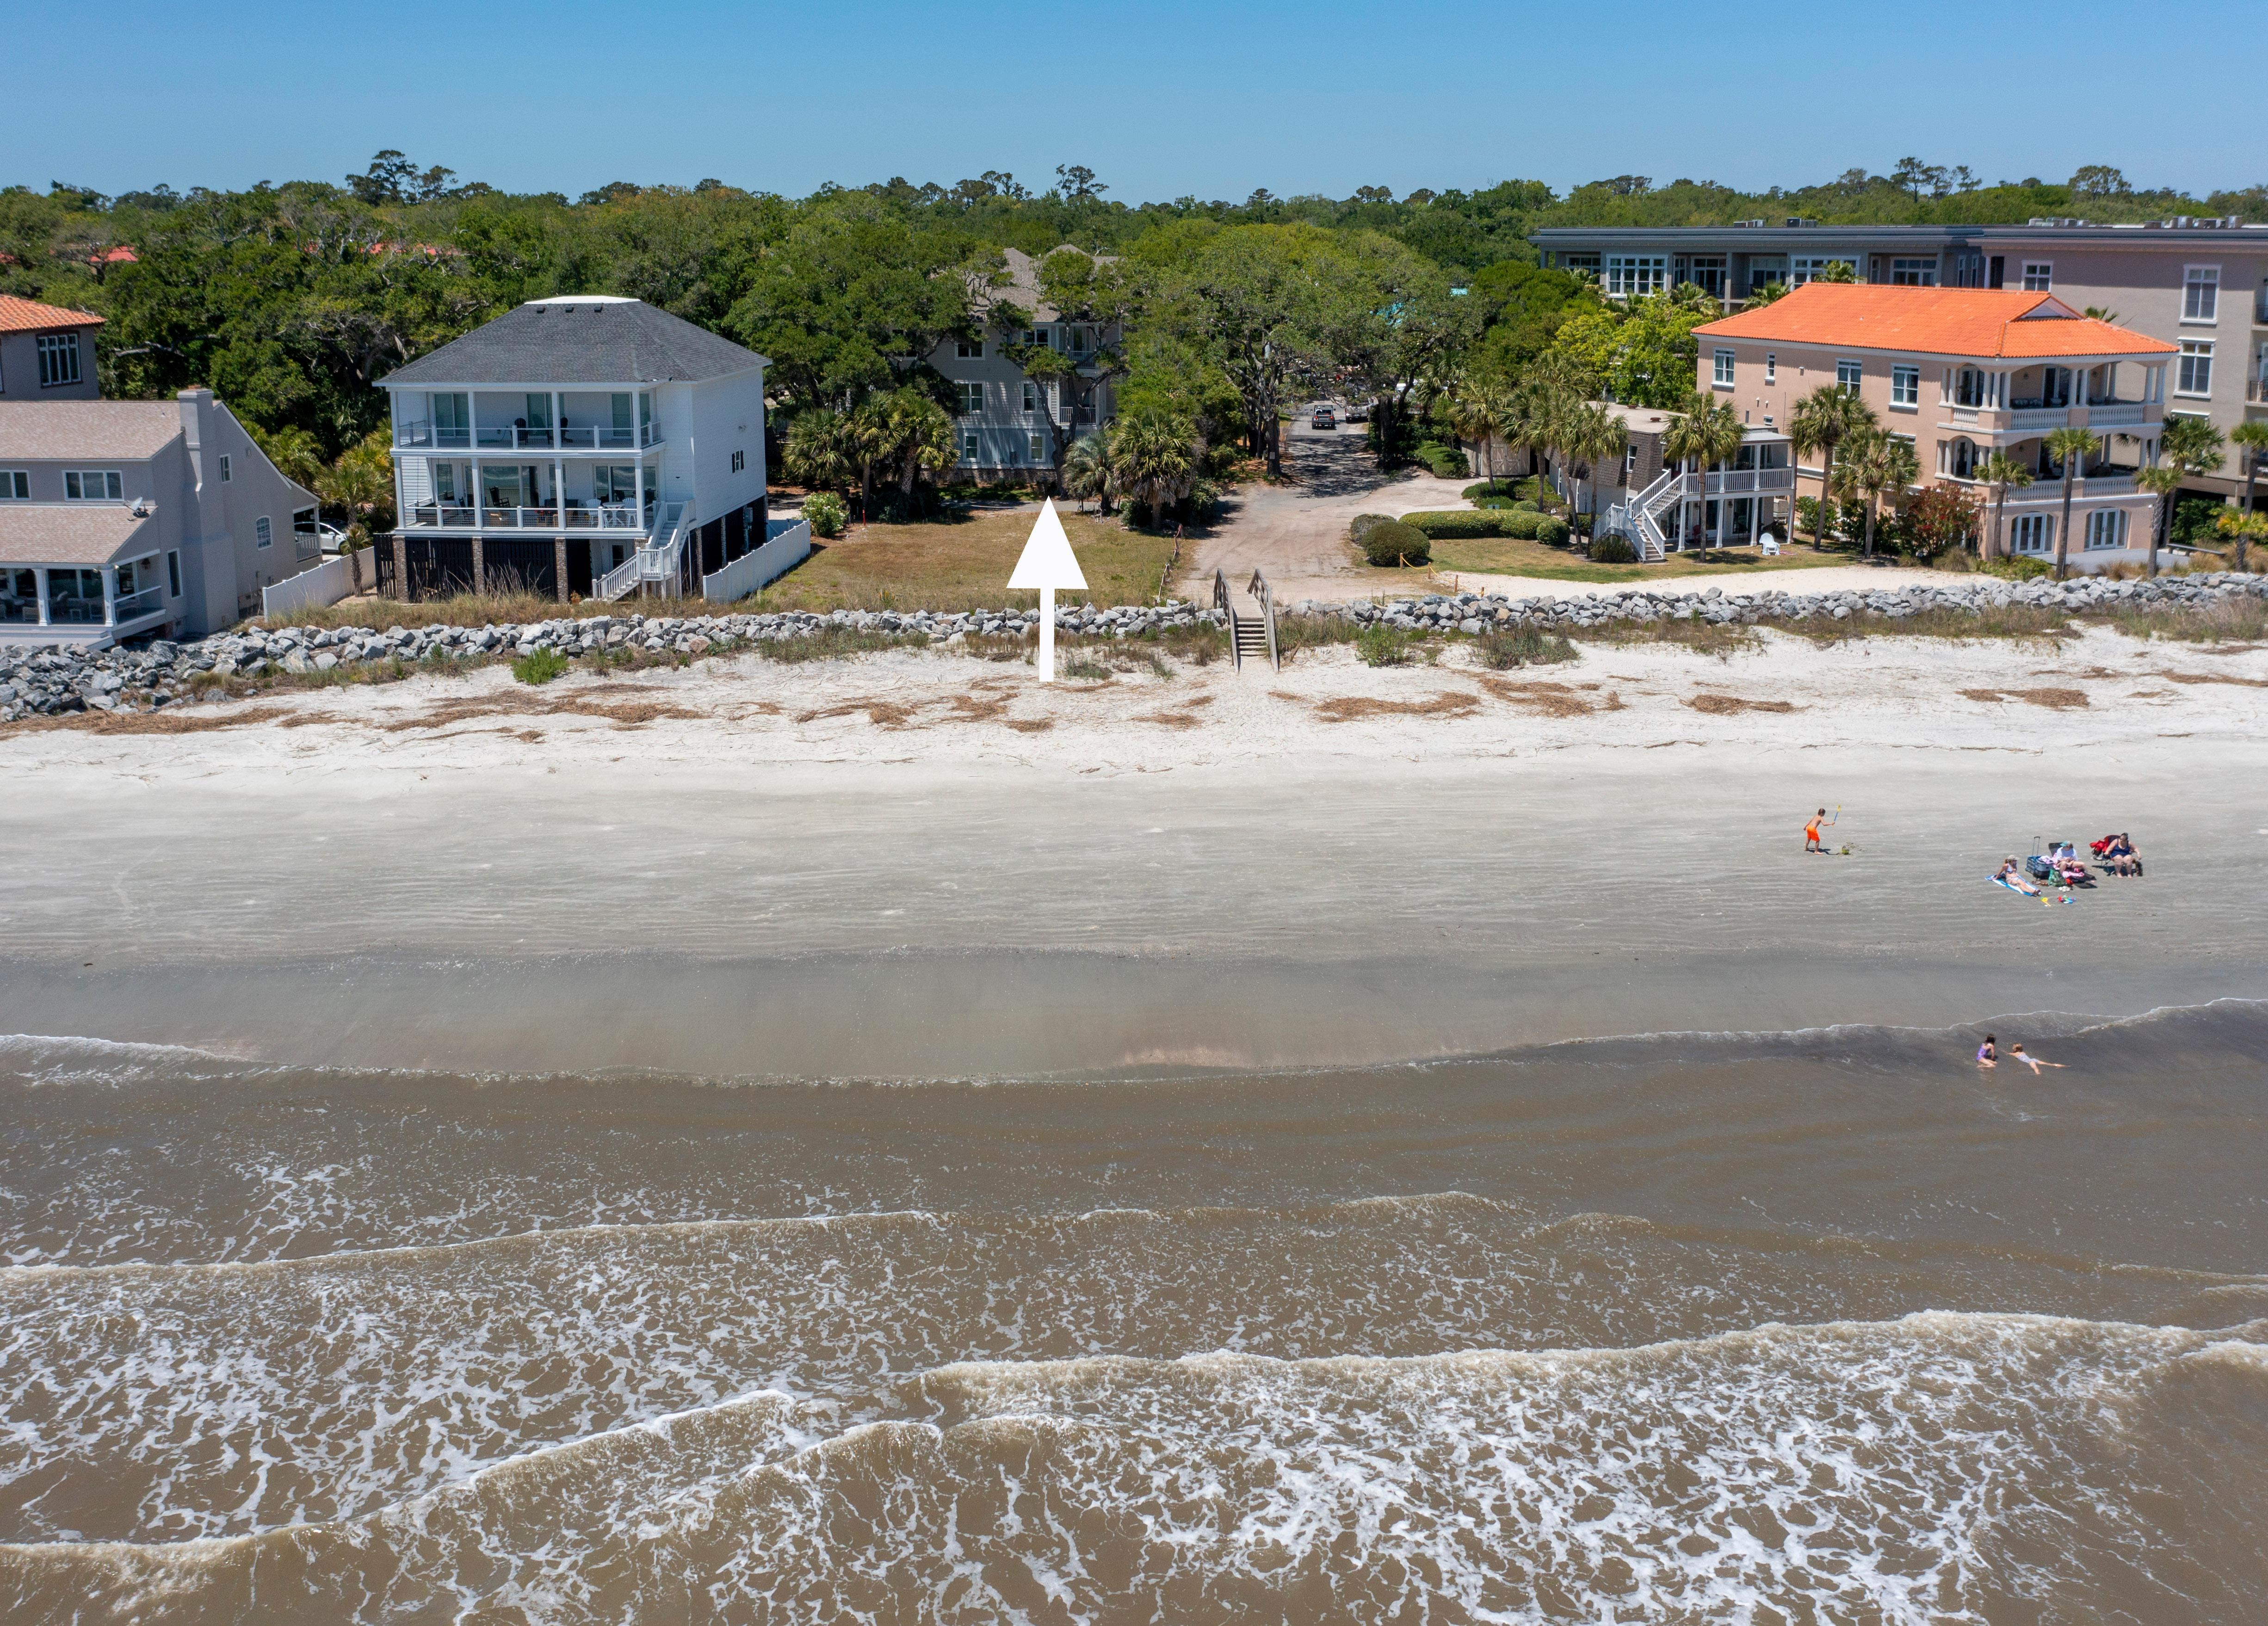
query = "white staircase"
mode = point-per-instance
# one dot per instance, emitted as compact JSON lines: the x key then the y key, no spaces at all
{"x":658,"y":558}
{"x":1635,"y":517}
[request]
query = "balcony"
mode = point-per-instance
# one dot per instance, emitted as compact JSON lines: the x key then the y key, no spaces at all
{"x":2048,"y":489}
{"x":575,"y":515}
{"x":515,"y":438}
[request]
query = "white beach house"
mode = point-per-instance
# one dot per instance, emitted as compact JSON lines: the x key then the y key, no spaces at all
{"x":586,"y":445}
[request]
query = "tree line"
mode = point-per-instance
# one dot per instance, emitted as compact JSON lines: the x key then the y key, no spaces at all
{"x":294,"y":300}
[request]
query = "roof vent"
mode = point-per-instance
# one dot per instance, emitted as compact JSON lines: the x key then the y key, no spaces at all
{"x":141,"y":508}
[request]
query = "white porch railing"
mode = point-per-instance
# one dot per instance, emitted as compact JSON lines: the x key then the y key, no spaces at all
{"x":465,"y":516}
{"x":512,"y":437}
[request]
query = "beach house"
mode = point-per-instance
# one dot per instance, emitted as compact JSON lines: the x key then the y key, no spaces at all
{"x":2199,"y":285}
{"x":135,"y":519}
{"x":47,"y":352}
{"x":1009,"y":424}
{"x":587,"y":445}
{"x":1962,"y":373}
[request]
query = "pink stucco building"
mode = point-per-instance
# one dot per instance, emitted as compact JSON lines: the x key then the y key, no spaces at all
{"x":1961,"y":373}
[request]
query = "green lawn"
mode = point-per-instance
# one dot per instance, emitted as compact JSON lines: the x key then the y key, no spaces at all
{"x":964,"y":564}
{"x":1503,"y":556}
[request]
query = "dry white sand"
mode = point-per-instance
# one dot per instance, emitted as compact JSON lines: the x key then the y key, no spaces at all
{"x":917,"y":863}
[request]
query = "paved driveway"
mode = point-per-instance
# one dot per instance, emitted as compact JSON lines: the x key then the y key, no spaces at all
{"x":1297,"y":532}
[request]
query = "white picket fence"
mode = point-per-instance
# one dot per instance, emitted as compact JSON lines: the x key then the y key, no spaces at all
{"x":327,"y":584}
{"x":784,"y":548}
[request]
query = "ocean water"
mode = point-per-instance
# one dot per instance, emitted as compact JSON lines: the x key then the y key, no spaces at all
{"x":1806,"y":1327}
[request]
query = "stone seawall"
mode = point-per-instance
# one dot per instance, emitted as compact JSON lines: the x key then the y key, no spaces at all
{"x":45,"y":681}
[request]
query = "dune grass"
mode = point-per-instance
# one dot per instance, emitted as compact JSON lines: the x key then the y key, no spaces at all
{"x":1504,"y":555}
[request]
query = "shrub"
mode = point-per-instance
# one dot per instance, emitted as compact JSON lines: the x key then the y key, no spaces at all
{"x":1551,"y":530}
{"x":827,"y":513}
{"x":1361,"y":525}
{"x":1492,"y":488}
{"x":1504,"y":647}
{"x":1394,"y":543}
{"x":2017,"y":569}
{"x":540,"y":666}
{"x":1448,"y":462}
{"x":1613,"y":550}
{"x":1446,"y":522}
{"x":1382,"y":646}
{"x":1530,"y":504}
{"x":1497,"y":503}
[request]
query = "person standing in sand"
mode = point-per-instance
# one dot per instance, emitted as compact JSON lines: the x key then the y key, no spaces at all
{"x":1811,"y":842}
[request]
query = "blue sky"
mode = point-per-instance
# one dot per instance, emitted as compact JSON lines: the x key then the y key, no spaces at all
{"x":1159,"y":100}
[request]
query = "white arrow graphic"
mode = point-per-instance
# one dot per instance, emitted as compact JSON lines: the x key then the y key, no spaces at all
{"x":1046,"y":564}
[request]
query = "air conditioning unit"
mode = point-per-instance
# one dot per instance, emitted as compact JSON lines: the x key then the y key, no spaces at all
{"x":1748,"y":223}
{"x":1799,"y":220}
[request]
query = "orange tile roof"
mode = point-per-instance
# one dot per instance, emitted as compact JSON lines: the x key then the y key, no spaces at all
{"x":29,"y":315}
{"x":1932,"y":322}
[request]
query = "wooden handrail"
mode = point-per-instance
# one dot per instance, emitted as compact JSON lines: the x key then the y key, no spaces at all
{"x":1223,"y":603}
{"x":1258,"y":589}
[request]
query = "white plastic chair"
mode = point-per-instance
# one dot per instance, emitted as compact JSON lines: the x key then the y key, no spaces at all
{"x":1768,"y":545}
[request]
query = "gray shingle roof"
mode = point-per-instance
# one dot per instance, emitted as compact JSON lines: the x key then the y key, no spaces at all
{"x":580,"y":341}
{"x":73,"y":533}
{"x":109,"y":430}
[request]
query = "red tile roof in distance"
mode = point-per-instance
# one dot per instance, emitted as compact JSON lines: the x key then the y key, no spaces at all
{"x":29,"y":316}
{"x":1989,"y":322}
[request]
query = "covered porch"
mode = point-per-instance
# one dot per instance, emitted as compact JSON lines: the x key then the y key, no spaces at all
{"x":84,"y":576}
{"x":557,"y":494}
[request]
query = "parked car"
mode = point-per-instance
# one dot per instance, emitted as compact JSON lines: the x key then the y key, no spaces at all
{"x":1358,"y":413}
{"x":1323,"y":418}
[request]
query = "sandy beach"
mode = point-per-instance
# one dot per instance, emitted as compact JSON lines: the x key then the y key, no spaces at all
{"x":1524,"y":850}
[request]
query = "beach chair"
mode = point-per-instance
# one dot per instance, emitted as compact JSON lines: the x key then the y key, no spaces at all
{"x":1768,"y":545}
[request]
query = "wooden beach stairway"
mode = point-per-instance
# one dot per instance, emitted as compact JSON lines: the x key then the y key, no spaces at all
{"x":1251,"y":621}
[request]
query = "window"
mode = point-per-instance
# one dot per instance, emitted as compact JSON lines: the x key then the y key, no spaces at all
{"x":739,"y":461}
{"x":1581,"y":262}
{"x":1771,"y":366}
{"x":972,"y":396}
{"x":1630,"y":461}
{"x":614,"y":483}
{"x":1913,"y":273}
{"x":1847,"y":374}
{"x":2039,"y":275}
{"x":223,"y":468}
{"x":1721,"y":373}
{"x":1905,"y":386}
{"x":2200,"y":293}
{"x":2106,"y":527}
{"x":1809,"y":268}
{"x":174,"y":572}
{"x":1630,"y":276}
{"x":1968,"y":268}
{"x":1077,"y":341}
{"x":1961,"y":458}
{"x":2194,"y":375}
{"x":2030,"y":533}
{"x":92,"y":485}
{"x":1039,"y":450}
{"x":15,"y":485}
{"x":262,"y":532}
{"x":58,"y":359}
{"x":969,"y":349}
{"x":1031,"y":397}
{"x":1969,"y":388}
{"x":969,"y":448}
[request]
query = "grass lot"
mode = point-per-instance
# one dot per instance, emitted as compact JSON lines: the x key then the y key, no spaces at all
{"x":1502,"y":555}
{"x":963,"y":565}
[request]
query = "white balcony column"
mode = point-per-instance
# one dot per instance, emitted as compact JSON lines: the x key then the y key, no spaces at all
{"x":637,"y":509}
{"x":558,"y":436}
{"x":110,"y":595}
{"x":42,"y":575}
{"x":558,"y":481}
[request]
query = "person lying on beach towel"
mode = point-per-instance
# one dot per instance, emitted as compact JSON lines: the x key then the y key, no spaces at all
{"x":2009,"y":876}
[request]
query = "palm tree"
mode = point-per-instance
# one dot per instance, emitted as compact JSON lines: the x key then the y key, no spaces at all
{"x":1592,"y":435}
{"x":819,"y":451}
{"x":1708,"y":432}
{"x":1087,"y":467}
{"x":1470,"y":419}
{"x":2251,"y":436}
{"x":2070,"y":445}
{"x":1153,"y":458}
{"x":2160,"y":482}
{"x":2000,"y":472}
{"x":1821,"y":420}
{"x":922,"y":441}
{"x":1879,"y":464}
{"x":1769,"y":294}
{"x":1683,"y":442}
{"x":1519,"y":423}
